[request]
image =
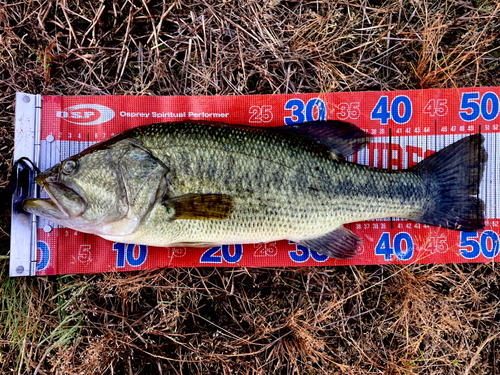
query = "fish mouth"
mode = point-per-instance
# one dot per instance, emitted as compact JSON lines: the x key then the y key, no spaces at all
{"x":48,"y":189}
{"x":45,"y":208}
{"x":63,"y":202}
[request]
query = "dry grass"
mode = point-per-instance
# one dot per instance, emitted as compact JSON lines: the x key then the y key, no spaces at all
{"x":419,"y":319}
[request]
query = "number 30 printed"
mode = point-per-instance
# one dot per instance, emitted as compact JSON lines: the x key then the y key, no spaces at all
{"x":313,"y":110}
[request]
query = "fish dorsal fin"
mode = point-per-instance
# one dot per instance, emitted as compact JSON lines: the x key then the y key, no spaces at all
{"x":343,"y":138}
{"x":339,"y":244}
{"x":200,"y":206}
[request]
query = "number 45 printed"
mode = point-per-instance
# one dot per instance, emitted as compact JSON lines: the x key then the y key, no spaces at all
{"x":436,"y":107}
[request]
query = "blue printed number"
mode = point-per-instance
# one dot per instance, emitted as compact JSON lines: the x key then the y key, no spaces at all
{"x":302,"y":254}
{"x":314,"y":110}
{"x":489,"y":235}
{"x":384,"y":246}
{"x":471,"y":247}
{"x":400,"y":110}
{"x":489,"y":99}
{"x":125,"y":253}
{"x":44,"y":260}
{"x":469,"y":108}
{"x":473,"y":106}
{"x":219,"y":253}
{"x":297,"y":108}
{"x":381,"y":112}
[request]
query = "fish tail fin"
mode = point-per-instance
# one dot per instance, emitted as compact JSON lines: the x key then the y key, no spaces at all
{"x":452,"y":176}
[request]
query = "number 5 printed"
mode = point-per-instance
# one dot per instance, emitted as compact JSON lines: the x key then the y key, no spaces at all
{"x":84,"y":254}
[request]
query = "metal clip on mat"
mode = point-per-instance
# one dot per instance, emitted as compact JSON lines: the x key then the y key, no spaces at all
{"x":23,"y":249}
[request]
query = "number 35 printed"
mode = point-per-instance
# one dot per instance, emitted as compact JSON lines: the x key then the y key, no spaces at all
{"x":348,"y":110}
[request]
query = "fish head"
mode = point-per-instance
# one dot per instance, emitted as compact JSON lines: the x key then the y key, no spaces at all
{"x":104,"y":190}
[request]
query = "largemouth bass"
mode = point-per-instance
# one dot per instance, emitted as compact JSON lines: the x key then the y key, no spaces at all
{"x":207,"y":184}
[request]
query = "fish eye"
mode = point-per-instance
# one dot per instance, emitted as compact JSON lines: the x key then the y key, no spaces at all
{"x":69,"y":166}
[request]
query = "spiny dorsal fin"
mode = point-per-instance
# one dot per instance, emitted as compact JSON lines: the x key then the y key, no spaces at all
{"x":200,"y":206}
{"x":343,"y":138}
{"x":339,"y":244}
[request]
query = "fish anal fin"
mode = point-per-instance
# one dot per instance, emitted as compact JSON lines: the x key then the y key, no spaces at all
{"x":339,"y":244}
{"x":200,"y":206}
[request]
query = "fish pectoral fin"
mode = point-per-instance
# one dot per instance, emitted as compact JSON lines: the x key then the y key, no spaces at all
{"x":339,"y":244}
{"x":200,"y":206}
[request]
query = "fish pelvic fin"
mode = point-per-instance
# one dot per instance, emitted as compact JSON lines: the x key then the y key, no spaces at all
{"x":452,"y":176}
{"x":200,"y":206}
{"x":343,"y":138}
{"x":339,"y":244}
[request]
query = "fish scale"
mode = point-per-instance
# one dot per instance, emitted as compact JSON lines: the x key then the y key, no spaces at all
{"x":202,"y":183}
{"x":303,"y":193}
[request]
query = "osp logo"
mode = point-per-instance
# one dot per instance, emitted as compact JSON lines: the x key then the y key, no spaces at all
{"x":86,"y":114}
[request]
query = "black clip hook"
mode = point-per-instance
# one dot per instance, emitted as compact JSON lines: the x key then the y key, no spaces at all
{"x":19,"y":179}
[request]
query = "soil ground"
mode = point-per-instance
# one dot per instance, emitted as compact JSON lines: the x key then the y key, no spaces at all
{"x":417,"y":319}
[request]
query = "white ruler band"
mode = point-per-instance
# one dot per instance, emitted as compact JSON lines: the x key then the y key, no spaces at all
{"x":23,"y":246}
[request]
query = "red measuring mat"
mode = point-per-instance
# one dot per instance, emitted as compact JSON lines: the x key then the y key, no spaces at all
{"x":406,"y":126}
